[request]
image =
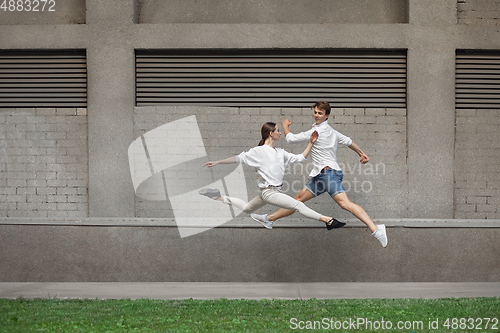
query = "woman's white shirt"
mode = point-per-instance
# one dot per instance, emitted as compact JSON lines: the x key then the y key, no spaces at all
{"x":270,"y":163}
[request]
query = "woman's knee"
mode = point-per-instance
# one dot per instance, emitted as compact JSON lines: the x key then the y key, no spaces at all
{"x":299,"y":206}
{"x":248,"y":210}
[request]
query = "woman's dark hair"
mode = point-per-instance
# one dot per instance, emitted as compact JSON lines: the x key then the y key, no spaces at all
{"x":267,"y":128}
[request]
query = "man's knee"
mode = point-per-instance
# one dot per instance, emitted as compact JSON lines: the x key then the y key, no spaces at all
{"x":346,"y":205}
{"x":302,"y":196}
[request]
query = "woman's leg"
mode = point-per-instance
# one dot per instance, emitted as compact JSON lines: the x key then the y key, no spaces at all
{"x":302,"y":196}
{"x":282,"y":200}
{"x":246,"y":207}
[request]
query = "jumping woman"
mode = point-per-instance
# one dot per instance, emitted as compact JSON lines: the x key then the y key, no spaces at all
{"x":270,"y":163}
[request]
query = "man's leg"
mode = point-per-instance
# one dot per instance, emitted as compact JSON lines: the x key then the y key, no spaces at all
{"x":302,"y":196}
{"x":343,"y":201}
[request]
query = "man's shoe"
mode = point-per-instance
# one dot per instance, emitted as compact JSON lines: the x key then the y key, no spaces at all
{"x":334,"y":224}
{"x":262,"y":219}
{"x":210,"y":192}
{"x":381,"y":234}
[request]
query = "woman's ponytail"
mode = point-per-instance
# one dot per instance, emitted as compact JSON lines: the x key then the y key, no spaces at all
{"x":267,"y":128}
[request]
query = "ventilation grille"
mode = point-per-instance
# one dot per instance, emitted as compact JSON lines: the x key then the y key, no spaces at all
{"x":477,"y":80}
{"x":271,"y":78}
{"x":43,"y":79}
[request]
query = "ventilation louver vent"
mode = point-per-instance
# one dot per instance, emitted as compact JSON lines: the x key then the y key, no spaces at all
{"x":477,"y":80}
{"x":271,"y":78}
{"x":43,"y":79}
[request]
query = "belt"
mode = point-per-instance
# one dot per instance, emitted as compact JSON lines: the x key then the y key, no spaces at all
{"x":275,"y":186}
{"x":324,"y":169}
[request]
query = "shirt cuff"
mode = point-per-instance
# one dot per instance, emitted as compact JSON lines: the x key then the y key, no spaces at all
{"x":289,"y":137}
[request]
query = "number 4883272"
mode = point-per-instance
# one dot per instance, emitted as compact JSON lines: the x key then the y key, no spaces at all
{"x":28,"y":5}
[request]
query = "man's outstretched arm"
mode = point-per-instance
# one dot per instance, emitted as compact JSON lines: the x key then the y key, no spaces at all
{"x":362,"y":156}
{"x":295,"y":138}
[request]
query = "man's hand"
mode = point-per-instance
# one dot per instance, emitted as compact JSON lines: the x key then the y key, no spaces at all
{"x":285,"y":124}
{"x":362,"y":156}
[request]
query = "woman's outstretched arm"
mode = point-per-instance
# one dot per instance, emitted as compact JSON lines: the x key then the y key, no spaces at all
{"x":229,"y":160}
{"x":312,"y":139}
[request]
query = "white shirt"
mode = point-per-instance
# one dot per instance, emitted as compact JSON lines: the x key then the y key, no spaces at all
{"x":270,"y":163}
{"x":324,"y":150}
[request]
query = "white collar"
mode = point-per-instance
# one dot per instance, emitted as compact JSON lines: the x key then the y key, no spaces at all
{"x":273,"y":148}
{"x":325,"y":123}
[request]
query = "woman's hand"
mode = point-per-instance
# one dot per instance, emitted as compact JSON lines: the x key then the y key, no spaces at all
{"x":210,"y":164}
{"x":312,"y":140}
{"x":314,"y":137}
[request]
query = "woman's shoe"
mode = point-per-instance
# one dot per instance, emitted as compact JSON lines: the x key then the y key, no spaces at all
{"x":212,"y":193}
{"x":334,"y":224}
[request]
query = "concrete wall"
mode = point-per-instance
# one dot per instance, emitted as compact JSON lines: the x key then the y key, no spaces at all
{"x":55,"y":253}
{"x":272,"y":11}
{"x":427,"y":180}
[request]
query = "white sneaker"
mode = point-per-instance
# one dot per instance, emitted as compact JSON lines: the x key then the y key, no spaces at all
{"x":212,"y":193}
{"x":381,"y":234}
{"x":262,"y":219}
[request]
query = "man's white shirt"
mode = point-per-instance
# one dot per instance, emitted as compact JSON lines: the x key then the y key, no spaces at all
{"x":324,"y":150}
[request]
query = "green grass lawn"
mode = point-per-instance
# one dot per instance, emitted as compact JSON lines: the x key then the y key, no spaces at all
{"x":384,"y":315}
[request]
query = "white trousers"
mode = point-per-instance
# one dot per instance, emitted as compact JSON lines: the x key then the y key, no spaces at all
{"x":272,"y":196}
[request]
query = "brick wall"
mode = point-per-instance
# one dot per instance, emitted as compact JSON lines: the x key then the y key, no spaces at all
{"x":477,"y":171}
{"x":43,"y":162}
{"x":380,"y":186}
{"x":478,"y":12}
